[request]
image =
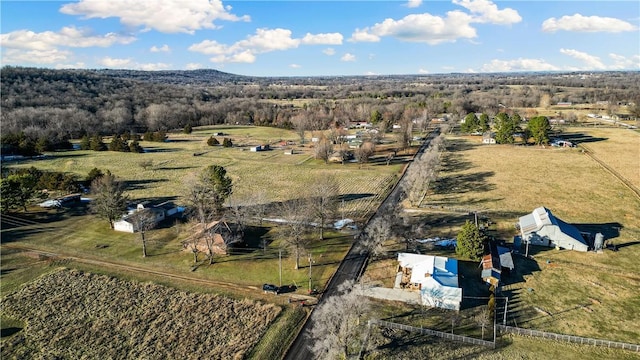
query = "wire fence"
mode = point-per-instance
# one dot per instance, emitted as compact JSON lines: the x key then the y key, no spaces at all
{"x":569,"y":338}
{"x":440,"y":334}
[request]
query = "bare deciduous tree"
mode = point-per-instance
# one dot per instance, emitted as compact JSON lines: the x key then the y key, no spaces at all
{"x":323,"y":149}
{"x":322,"y":200}
{"x":337,"y":331}
{"x":109,"y":201}
{"x":143,"y":221}
{"x":483,"y":319}
{"x":364,"y":152}
{"x":376,"y":233}
{"x":294,"y":227}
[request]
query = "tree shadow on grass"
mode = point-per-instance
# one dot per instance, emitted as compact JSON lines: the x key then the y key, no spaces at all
{"x":460,"y":184}
{"x":141,"y":184}
{"x":579,"y":138}
{"x":475,"y":292}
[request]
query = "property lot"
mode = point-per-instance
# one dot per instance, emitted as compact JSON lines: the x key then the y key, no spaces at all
{"x":584,"y":294}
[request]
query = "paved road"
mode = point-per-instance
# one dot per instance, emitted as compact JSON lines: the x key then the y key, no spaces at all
{"x":352,"y":265}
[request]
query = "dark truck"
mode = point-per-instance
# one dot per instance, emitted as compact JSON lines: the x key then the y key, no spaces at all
{"x":271,"y":288}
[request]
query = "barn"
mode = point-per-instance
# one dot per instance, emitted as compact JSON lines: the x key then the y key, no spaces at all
{"x":542,"y":228}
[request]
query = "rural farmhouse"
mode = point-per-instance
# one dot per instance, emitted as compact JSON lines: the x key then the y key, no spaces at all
{"x":435,"y":277}
{"x":130,"y":222}
{"x":542,"y":228}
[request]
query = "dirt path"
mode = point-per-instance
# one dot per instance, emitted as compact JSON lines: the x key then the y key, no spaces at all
{"x":252,"y":291}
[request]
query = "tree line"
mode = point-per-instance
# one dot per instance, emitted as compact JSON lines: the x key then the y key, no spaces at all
{"x":59,"y":105}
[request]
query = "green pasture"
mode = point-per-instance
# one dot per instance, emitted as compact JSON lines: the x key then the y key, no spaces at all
{"x":276,"y":175}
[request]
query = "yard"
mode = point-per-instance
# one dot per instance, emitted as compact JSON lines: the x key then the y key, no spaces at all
{"x":585,"y":294}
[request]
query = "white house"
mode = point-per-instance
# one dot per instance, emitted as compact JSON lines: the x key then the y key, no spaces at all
{"x":130,"y":222}
{"x":542,"y":228}
{"x":435,"y":277}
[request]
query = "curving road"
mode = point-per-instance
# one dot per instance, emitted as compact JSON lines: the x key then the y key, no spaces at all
{"x":353,"y":265}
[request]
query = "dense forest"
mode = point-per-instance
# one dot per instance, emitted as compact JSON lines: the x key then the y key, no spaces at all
{"x":59,"y":105}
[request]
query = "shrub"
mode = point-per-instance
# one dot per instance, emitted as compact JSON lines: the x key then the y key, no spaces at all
{"x":211,"y":141}
{"x":227,"y":142}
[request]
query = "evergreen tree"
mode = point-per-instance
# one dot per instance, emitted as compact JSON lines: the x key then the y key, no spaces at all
{"x":187,"y":129}
{"x":135,"y":147}
{"x":96,"y":143}
{"x":539,"y":127}
{"x":483,"y":123}
{"x":211,"y":141}
{"x":505,"y":129}
{"x":470,"y":241}
{"x":85,"y":143}
{"x":471,"y":123}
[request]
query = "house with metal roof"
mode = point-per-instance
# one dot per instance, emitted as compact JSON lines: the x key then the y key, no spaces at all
{"x":435,"y":277}
{"x":542,"y":228}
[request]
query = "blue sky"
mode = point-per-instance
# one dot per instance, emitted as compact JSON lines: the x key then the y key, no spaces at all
{"x":312,"y":38}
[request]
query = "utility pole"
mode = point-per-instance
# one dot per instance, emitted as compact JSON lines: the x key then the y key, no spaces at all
{"x":309,"y":273}
{"x":280,"y":262}
{"x":506,"y":306}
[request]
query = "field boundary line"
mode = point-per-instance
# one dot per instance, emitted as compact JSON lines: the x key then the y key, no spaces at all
{"x":440,"y":334}
{"x":569,"y":338}
{"x":613,"y":172}
{"x":109,"y":264}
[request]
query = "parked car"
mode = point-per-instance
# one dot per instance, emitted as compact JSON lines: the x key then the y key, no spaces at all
{"x":271,"y":288}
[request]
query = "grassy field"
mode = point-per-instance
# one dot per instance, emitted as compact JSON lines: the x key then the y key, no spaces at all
{"x":82,"y":315}
{"x":273,"y":173}
{"x":81,"y":241}
{"x":585,"y":294}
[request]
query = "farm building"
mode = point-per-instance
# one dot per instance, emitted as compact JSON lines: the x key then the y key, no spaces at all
{"x":214,"y":237}
{"x":542,"y":228}
{"x":494,"y":263}
{"x":434,"y":277}
{"x":489,"y":137}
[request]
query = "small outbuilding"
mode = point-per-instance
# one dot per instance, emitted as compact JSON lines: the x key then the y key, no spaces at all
{"x":489,"y":137}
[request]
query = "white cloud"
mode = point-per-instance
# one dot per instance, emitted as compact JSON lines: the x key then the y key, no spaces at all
{"x":163,"y":48}
{"x":78,"y":65}
{"x":580,"y":23}
{"x":364,"y":36}
{"x":322,"y":39}
{"x":421,"y":28}
{"x":348,"y":57}
{"x":129,"y":63}
{"x":47,"y":56}
{"x":370,"y":73}
{"x":152,"y":66}
{"x":329,"y":51}
{"x":295,"y":66}
{"x":435,"y":29}
{"x":246,"y":57}
{"x":69,"y":36}
{"x":115,"y":63}
{"x":266,"y":40}
{"x":518,"y":65}
{"x":167,"y":16}
{"x":592,"y":62}
{"x":209,"y":47}
{"x":621,"y":62}
{"x":193,"y":66}
{"x":263,"y":41}
{"x":423,"y":71}
{"x":414,"y":3}
{"x":488,"y":12}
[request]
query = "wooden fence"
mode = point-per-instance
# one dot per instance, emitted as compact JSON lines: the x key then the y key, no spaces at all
{"x":569,"y":338}
{"x":440,"y":334}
